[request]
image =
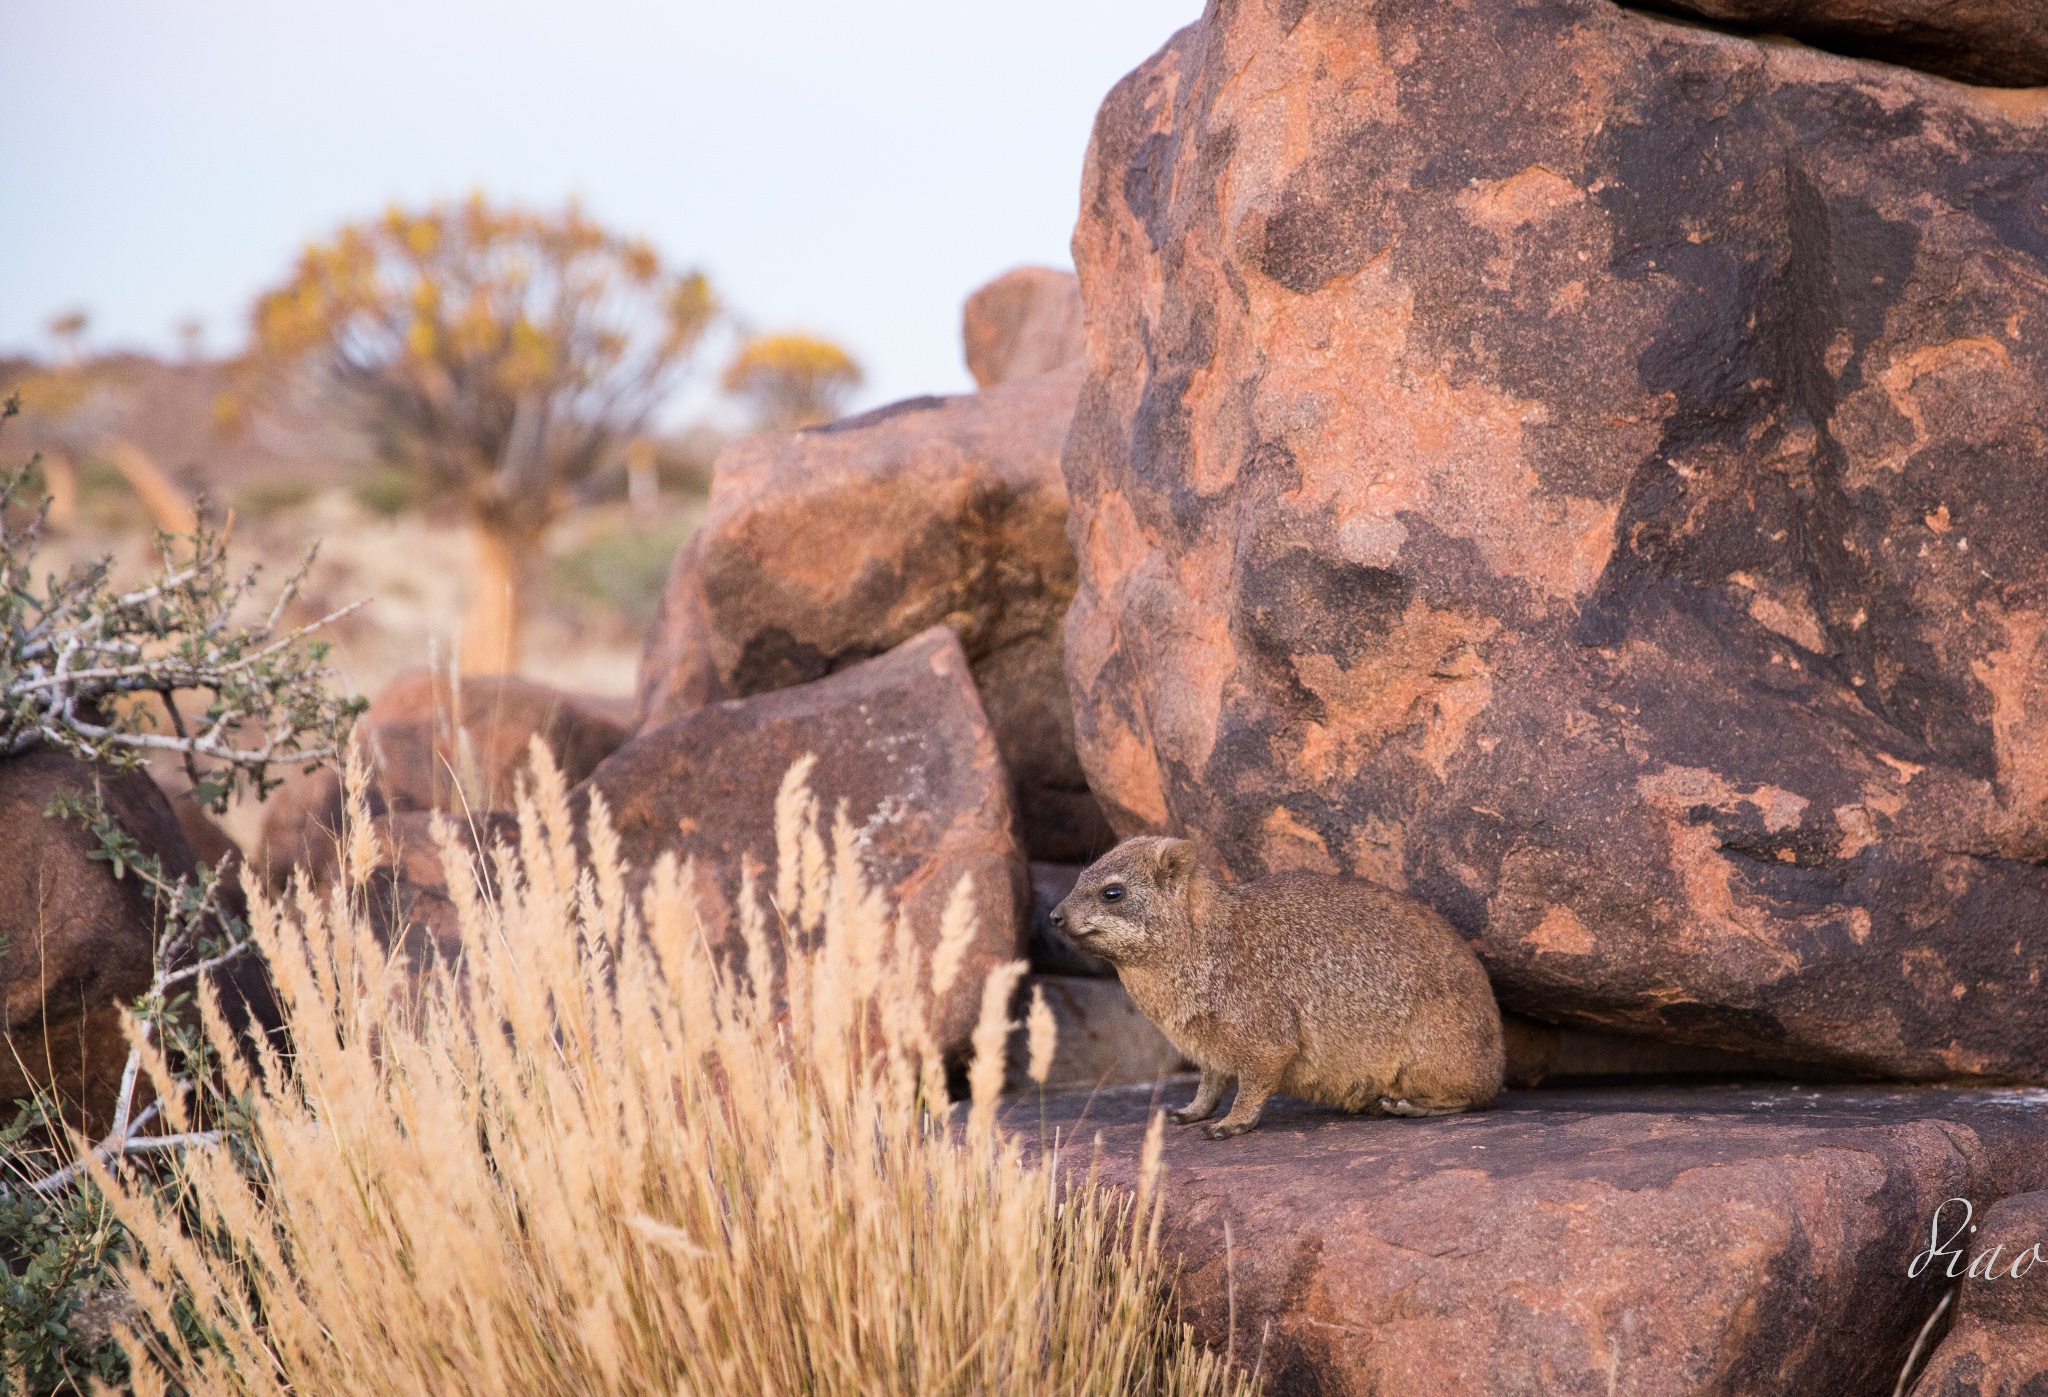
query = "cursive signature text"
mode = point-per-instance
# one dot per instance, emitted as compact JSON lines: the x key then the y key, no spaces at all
{"x":1984,"y":1265}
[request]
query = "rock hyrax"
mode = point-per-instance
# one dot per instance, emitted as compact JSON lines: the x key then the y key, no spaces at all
{"x":1333,"y":989}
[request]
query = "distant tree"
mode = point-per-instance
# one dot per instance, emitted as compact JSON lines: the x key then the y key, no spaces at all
{"x":499,"y":353}
{"x":792,"y":380}
{"x":191,"y":333}
{"x":68,"y":330}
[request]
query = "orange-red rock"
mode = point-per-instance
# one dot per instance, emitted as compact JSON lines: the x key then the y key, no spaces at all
{"x":1027,"y":321}
{"x":1584,"y":469}
{"x":825,"y":547}
{"x":900,"y":739}
{"x":2000,"y":43}
{"x":432,"y":748}
{"x":77,"y":943}
{"x":1700,"y":1241}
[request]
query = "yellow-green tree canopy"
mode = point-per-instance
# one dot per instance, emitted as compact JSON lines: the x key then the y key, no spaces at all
{"x":792,"y":380}
{"x":502,"y":353}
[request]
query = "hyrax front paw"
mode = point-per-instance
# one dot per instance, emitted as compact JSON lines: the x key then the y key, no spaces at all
{"x":1188,"y":1115}
{"x":1224,"y":1129}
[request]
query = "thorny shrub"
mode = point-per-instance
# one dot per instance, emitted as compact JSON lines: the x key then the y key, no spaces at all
{"x":96,"y":671}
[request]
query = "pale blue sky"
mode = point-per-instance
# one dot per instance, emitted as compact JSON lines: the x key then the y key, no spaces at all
{"x":853,"y":169}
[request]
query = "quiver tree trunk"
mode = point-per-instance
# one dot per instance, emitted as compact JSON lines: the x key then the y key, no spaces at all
{"x":497,"y":601}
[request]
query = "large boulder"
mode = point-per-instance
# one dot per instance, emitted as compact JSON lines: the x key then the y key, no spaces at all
{"x":1585,"y":470}
{"x":901,"y":742}
{"x":1703,"y":1241}
{"x":77,"y":942}
{"x":2001,"y":43}
{"x":1997,"y":1343}
{"x":434,"y":743}
{"x":825,"y":547}
{"x":1025,"y":322}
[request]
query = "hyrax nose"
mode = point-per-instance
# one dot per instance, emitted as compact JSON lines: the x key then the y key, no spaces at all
{"x":1058,"y":918}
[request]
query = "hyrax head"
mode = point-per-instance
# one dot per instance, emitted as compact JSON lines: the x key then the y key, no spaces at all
{"x":1129,"y":901}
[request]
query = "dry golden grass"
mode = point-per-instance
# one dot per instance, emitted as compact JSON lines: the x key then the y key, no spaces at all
{"x":646,"y":1176}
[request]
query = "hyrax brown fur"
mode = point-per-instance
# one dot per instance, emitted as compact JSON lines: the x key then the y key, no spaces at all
{"x":1332,"y":989}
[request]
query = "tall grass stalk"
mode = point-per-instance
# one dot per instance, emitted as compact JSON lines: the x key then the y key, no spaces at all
{"x":643,"y":1174}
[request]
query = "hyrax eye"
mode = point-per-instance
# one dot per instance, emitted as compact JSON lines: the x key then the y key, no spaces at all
{"x":1113,"y":893}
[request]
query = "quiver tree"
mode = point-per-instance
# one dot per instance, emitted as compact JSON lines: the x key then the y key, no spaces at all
{"x":502,"y":354}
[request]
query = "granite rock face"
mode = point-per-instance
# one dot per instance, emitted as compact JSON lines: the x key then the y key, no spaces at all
{"x":77,"y":944}
{"x":1998,"y":43}
{"x":900,"y":739}
{"x":827,"y":547}
{"x":431,"y":747}
{"x":1650,"y":1241}
{"x":1025,"y":322}
{"x":1584,"y":470}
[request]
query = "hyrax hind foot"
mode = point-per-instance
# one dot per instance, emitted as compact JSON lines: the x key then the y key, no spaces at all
{"x":1403,"y":1107}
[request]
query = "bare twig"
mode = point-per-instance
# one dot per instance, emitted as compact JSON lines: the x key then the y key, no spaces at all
{"x":77,"y":651}
{"x":126,"y":1137}
{"x":108,"y":1153}
{"x":1910,"y":1374}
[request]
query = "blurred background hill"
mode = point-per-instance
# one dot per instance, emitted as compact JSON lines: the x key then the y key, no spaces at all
{"x":295,"y":470}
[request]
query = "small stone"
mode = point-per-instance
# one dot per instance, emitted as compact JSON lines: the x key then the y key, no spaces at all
{"x":1103,"y":1038}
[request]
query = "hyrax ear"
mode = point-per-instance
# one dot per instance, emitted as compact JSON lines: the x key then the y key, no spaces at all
{"x":1175,"y":861}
